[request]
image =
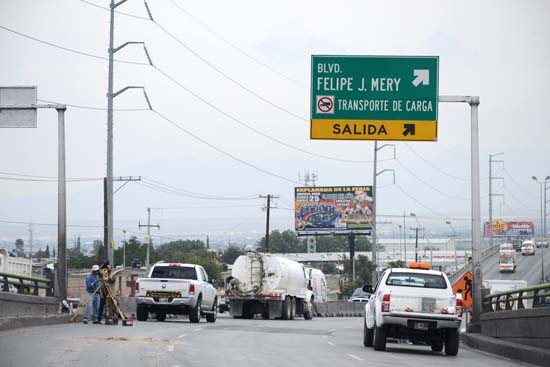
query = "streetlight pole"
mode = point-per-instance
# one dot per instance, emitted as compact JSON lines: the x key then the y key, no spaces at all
{"x":455,"y":238}
{"x":542,"y":221}
{"x":491,"y":178}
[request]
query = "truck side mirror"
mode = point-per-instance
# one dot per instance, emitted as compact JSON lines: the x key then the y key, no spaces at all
{"x":367,"y":288}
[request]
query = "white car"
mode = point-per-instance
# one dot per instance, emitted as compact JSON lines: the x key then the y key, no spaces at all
{"x":11,"y":288}
{"x":359,"y":295}
{"x":413,"y":303}
{"x":174,"y":288}
{"x":528,"y":248}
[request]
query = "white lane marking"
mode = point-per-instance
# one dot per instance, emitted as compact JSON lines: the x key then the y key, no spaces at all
{"x":198,"y":329}
{"x":325,"y":336}
{"x":356,"y":358}
{"x":182,"y":336}
{"x":331,"y":344}
{"x":170,"y":348}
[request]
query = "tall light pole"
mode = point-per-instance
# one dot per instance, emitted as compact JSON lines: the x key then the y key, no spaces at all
{"x":491,"y":178}
{"x":542,"y":220}
{"x":416,"y":237}
{"x":455,"y":238}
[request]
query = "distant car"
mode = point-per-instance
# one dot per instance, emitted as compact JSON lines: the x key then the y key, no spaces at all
{"x":542,"y":243}
{"x":11,"y":288}
{"x":528,"y":248}
{"x":223,"y":305}
{"x":544,"y":302}
{"x":517,"y":245}
{"x":136,"y":264}
{"x":359,"y":295}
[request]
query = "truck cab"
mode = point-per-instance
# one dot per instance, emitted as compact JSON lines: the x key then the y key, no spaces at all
{"x":413,"y":303}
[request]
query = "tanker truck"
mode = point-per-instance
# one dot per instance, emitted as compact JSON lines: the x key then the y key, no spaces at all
{"x":271,"y":286}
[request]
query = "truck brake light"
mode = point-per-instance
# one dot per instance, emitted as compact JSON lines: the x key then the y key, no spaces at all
{"x":386,"y":303}
{"x":191,"y":289}
{"x":459,"y":307}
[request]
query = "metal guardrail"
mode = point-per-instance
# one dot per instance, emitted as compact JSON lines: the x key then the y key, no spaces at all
{"x":535,"y":296}
{"x":23,"y":282}
{"x":468,"y":265}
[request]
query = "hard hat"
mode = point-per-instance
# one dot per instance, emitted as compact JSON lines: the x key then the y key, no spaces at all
{"x":95,"y":268}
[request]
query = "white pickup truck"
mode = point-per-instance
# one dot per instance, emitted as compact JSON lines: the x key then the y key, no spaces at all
{"x":413,"y":303}
{"x":174,"y":288}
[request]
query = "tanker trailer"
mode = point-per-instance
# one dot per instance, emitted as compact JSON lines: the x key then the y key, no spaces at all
{"x":271,"y":286}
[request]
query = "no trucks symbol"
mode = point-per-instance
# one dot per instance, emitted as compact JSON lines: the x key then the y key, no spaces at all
{"x":325,"y":104}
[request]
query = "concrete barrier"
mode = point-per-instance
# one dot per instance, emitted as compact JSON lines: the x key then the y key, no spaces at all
{"x":18,"y":305}
{"x":340,"y":309}
{"x":9,"y":323}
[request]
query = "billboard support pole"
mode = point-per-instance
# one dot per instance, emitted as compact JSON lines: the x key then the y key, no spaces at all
{"x":351,"y":240}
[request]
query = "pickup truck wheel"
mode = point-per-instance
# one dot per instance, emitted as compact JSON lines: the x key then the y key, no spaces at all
{"x":437,"y":346}
{"x":195,"y":313}
{"x":161,"y":316}
{"x":451,"y":343}
{"x":142,"y":313}
{"x":379,"y":338}
{"x":368,"y":336}
{"x":211,"y":317}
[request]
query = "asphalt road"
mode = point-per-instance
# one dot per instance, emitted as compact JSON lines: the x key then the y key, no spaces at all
{"x":528,"y":267}
{"x":228,"y":342}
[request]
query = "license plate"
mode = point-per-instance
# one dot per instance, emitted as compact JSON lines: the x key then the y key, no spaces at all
{"x":163,"y":299}
{"x":421,"y":325}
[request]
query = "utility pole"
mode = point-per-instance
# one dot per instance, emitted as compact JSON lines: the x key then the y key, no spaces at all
{"x":309,"y":180}
{"x":404,"y":238}
{"x":124,"y":250}
{"x":491,"y":178}
{"x":374,"y":228}
{"x":268,"y":207}
{"x":108,"y":246}
{"x":148,"y":225}
{"x":351,"y":240}
{"x":415,"y":243}
{"x":110,"y":96}
{"x":30,"y":241}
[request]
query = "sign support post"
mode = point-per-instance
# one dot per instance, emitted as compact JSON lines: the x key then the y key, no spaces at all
{"x":473,"y":101}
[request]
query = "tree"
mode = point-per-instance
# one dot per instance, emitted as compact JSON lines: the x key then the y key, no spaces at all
{"x":99,"y":251}
{"x":283,"y":242}
{"x":19,"y":247}
{"x":397,"y":264}
{"x":135,"y":250}
{"x":231,"y":254}
{"x":47,"y":251}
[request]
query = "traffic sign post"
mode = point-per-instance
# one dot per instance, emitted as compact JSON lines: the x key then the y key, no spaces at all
{"x":374,"y":98}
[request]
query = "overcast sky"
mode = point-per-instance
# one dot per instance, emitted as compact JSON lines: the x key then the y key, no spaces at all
{"x":498,"y":50}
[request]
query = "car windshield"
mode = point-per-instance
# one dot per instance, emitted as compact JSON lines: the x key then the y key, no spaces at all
{"x":416,"y":280}
{"x":174,"y":272}
{"x":506,"y":260}
{"x":359,"y":292}
{"x":505,"y":247}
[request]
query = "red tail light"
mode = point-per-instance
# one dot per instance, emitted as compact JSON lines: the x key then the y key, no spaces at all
{"x":386,"y":303}
{"x":459,"y":307}
{"x":137,"y":287}
{"x":191,"y":289}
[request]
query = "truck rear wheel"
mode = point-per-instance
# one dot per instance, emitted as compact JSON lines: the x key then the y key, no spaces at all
{"x":142,"y":313}
{"x":195,"y":313}
{"x":368,"y":336}
{"x":287,"y":306}
{"x":292,"y":308}
{"x":379,"y":338}
{"x":437,"y":346}
{"x":451,"y":342}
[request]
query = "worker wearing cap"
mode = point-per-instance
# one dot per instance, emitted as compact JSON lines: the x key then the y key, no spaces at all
{"x":92,"y":284}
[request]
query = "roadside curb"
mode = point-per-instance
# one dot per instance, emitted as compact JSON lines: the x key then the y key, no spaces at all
{"x":503,"y":348}
{"x":10,"y":323}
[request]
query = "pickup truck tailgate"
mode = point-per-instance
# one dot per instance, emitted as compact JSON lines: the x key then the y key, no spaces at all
{"x":163,"y":288}
{"x":427,"y":303}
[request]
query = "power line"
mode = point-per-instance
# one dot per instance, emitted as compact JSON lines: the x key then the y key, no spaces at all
{"x":234,"y":46}
{"x":433,"y":166}
{"x":69,"y":49}
{"x":430,"y":185}
{"x":117,"y":12}
{"x":517,"y":184}
{"x":222,"y":151}
{"x":419,"y":202}
{"x":225,"y":75}
{"x":96,"y":108}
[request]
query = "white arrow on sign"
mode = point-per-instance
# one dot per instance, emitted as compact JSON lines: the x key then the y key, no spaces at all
{"x":422,"y":77}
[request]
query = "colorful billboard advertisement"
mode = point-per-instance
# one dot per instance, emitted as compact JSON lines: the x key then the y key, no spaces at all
{"x":335,"y":209}
{"x":510,"y":229}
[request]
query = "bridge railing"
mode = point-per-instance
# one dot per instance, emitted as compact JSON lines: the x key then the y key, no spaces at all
{"x":485,"y":254}
{"x":535,"y":296}
{"x":25,"y":283}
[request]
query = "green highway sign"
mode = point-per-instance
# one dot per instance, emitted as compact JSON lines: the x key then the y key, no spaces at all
{"x":374,"y":97}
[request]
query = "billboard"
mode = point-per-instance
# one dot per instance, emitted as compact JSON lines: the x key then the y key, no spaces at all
{"x":333,"y":210}
{"x":510,"y":229}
